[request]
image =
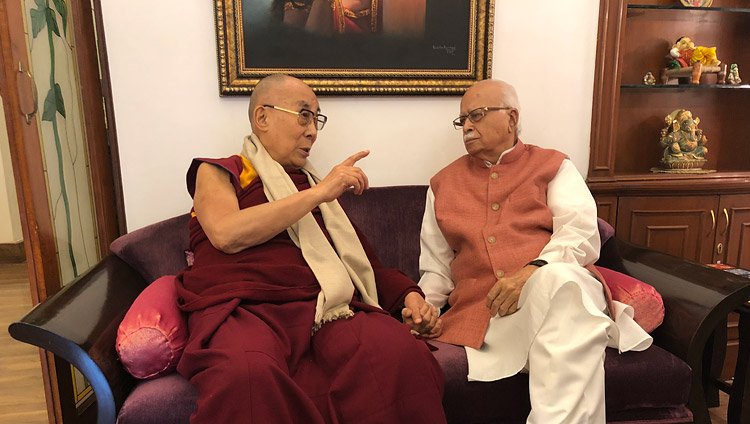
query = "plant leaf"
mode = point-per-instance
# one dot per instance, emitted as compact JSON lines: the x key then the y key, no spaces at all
{"x":50,"y":107}
{"x":62,"y":9}
{"x":52,"y":21}
{"x":59,"y":102}
{"x":41,"y":4}
{"x":38,"y":21}
{"x":53,"y":103}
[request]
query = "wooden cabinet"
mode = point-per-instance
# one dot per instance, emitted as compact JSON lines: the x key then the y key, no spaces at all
{"x":704,"y":217}
{"x":680,"y":226}
{"x":704,"y":229}
{"x":735,"y":231}
{"x":699,"y":216}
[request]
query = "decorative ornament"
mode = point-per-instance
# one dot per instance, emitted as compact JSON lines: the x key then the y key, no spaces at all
{"x":688,"y":62}
{"x":684,"y":144}
{"x":734,"y":74}
{"x":649,"y":79}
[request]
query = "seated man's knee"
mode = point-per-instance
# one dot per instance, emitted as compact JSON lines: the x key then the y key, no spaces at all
{"x":387,"y":335}
{"x":242,"y":367}
{"x":551,"y":276}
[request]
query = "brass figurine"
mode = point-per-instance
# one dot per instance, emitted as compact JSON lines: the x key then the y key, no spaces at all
{"x":684,"y":144}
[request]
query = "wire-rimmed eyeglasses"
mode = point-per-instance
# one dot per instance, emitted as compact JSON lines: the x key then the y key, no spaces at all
{"x":476,"y":115}
{"x":305,"y":116}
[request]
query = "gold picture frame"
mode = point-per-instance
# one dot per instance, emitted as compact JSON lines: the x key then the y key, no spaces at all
{"x":443,"y":50}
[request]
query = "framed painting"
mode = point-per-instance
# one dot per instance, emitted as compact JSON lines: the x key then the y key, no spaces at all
{"x":350,"y":47}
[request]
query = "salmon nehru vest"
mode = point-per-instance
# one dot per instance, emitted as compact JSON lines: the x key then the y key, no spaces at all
{"x":496,"y":220}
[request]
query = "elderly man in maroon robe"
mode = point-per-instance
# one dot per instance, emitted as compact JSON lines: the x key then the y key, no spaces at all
{"x":290,"y":313}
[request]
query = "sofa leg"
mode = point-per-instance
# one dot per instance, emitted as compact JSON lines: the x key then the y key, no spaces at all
{"x":740,"y":392}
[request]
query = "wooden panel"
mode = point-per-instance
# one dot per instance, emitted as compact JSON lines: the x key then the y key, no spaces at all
{"x":680,"y":226}
{"x":735,"y":227}
{"x":606,"y":87}
{"x":103,"y":177}
{"x":606,"y":209}
{"x":733,"y":342}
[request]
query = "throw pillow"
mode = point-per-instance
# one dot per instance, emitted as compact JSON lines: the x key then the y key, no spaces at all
{"x":647,"y":303}
{"x":152,"y":336}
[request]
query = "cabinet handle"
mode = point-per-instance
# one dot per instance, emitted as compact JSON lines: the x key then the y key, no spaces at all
{"x":726,"y":217}
{"x":34,"y":95}
{"x":713,"y":220}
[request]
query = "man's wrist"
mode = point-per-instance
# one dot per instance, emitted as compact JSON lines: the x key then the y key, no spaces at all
{"x":538,"y":262}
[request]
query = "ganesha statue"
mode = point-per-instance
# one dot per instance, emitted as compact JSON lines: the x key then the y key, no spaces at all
{"x":683,"y":142}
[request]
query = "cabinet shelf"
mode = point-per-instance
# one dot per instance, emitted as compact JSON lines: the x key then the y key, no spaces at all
{"x":678,"y":7}
{"x":684,"y":87}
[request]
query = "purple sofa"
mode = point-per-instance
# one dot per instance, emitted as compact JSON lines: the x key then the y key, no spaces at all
{"x":667,"y":383}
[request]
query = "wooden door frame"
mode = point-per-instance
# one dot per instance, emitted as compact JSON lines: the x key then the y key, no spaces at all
{"x":30,"y":181}
{"x":32,"y":203}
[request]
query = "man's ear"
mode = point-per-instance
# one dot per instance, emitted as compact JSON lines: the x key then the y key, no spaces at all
{"x":260,"y":119}
{"x":513,"y":121}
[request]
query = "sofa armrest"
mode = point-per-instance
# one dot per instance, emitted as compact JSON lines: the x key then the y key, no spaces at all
{"x":697,"y":299}
{"x":79,"y":324}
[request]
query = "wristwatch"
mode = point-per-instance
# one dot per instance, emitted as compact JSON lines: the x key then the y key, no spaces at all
{"x":538,"y":262}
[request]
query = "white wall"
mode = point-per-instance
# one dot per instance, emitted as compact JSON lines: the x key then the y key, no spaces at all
{"x":10,"y":221}
{"x":162,"y":58}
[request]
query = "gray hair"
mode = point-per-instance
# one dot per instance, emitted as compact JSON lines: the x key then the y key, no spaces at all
{"x":509,"y":98}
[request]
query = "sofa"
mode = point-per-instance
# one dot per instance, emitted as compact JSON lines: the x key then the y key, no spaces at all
{"x":669,"y":382}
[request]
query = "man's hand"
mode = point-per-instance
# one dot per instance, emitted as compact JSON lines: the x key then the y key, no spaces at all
{"x":503,"y":297}
{"x":422,"y":317}
{"x":342,"y":177}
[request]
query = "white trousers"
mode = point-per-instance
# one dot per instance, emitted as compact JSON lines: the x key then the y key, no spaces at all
{"x":558,"y":335}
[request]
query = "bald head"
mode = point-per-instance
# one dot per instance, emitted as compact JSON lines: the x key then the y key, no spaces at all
{"x":277,"y":120}
{"x":270,"y":89}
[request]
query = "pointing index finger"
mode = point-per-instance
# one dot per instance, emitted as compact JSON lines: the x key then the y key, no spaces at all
{"x":351,"y":160}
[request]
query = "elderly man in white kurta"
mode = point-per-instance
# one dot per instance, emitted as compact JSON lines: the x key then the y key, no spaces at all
{"x":509,"y":238}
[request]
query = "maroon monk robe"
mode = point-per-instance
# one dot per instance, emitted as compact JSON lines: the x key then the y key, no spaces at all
{"x":251,"y":353}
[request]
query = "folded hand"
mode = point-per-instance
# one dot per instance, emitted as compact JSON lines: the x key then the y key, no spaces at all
{"x":422,"y":317}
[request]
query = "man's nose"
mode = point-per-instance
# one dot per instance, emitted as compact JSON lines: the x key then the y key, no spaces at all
{"x":311,"y":129}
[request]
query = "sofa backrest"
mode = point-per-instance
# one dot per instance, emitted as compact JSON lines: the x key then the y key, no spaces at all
{"x":156,"y":250}
{"x":390,"y":217}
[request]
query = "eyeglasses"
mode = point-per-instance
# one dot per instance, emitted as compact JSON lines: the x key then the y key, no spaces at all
{"x":475,"y":115}
{"x":305,"y":116}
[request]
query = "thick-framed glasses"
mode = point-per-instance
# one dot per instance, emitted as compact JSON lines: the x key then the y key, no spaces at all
{"x":305,"y":116}
{"x":475,"y":115}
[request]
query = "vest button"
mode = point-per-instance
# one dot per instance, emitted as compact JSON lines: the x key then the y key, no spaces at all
{"x":495,"y":206}
{"x":500,"y":273}
{"x":491,"y":239}
{"x":494,"y":175}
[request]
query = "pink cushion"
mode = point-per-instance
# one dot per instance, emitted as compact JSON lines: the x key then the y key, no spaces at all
{"x":645,"y":300}
{"x":153,"y":333}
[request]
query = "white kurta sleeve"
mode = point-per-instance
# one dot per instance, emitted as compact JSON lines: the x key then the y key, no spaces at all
{"x":575,"y":234}
{"x":435,"y":258}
